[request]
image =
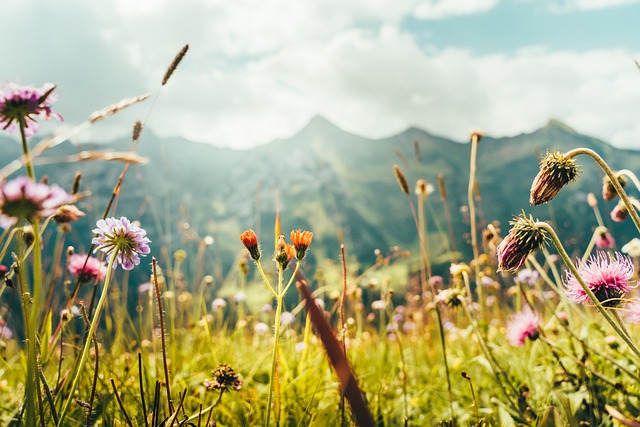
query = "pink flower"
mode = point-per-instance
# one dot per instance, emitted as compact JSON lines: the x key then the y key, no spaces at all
{"x":126,"y":240}
{"x":92,"y":271}
{"x":603,"y":239}
{"x":25,"y":103}
{"x":5,"y":332}
{"x":23,"y":198}
{"x":523,"y":325}
{"x":607,"y":278}
{"x":633,"y":311}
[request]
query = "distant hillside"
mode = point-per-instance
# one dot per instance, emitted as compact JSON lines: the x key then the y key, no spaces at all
{"x":339,"y":185}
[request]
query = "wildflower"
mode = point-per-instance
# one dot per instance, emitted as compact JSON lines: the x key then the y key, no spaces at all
{"x":250,"y":241}
{"x":603,"y":239}
{"x":239,"y":297}
{"x":261,"y":328}
{"x":3,"y":271}
{"x":527,"y":277}
{"x":94,"y":268}
{"x":633,"y":311}
{"x":146,"y":287}
{"x":632,"y":248}
{"x":5,"y":332}
{"x":607,"y":278}
{"x":267,"y":308}
{"x":378,"y":305}
{"x":608,"y":190}
{"x":224,"y":379}
{"x":284,"y":253}
{"x":67,"y":213}
{"x":556,"y":171}
{"x":423,"y":188}
{"x":523,"y":238}
{"x":301,"y":241}
{"x":451,"y":297}
{"x":287,"y":318}
{"x":123,"y":239}
{"x":22,"y":104}
{"x":523,"y":325}
{"x":620,"y":211}
{"x":218,"y":304}
{"x":24,"y":198}
{"x":457,"y":270}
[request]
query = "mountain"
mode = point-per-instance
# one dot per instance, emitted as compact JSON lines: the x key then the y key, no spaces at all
{"x":337,"y":184}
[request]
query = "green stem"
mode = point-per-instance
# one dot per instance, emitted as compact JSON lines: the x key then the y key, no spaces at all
{"x":472,"y":217}
{"x":25,"y":149}
{"x":446,"y":362}
{"x":605,"y":313}
{"x":87,"y":344}
{"x":264,"y":278}
{"x":612,"y":177}
{"x":276,"y":334}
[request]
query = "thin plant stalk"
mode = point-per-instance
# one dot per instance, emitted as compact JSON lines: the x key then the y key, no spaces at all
{"x":632,"y":176}
{"x":447,"y":215}
{"x":274,"y":356}
{"x":162,"y":334}
{"x":472,"y":217}
{"x":612,"y":177}
{"x":605,"y":313}
{"x":87,"y":343}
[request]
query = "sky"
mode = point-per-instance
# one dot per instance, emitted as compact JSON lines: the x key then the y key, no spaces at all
{"x":258,"y":70}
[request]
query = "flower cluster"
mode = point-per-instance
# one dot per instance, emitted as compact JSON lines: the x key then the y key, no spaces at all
{"x":22,"y":198}
{"x":606,"y":277}
{"x":22,"y":104}
{"x":125,"y":239}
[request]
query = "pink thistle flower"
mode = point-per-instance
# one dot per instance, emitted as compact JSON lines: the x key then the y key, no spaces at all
{"x":603,"y":239}
{"x":95,"y":269}
{"x":23,"y":198}
{"x":5,"y":332}
{"x":126,"y":240}
{"x":607,"y":278}
{"x":20,"y":103}
{"x":521,"y":326}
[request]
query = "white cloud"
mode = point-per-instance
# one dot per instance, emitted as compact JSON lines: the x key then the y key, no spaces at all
{"x":438,"y":9}
{"x":567,"y":6}
{"x":255,"y":73}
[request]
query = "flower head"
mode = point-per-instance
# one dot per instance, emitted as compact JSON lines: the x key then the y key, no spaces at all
{"x":556,"y":171}
{"x":423,"y":188}
{"x":606,"y":277}
{"x":633,"y":311}
{"x":523,"y":325}
{"x":20,"y":103}
{"x":527,"y":277}
{"x":301,"y":241}
{"x":603,"y":239}
{"x":523,"y":238}
{"x":67,"y":213}
{"x":284,"y":253}
{"x":224,"y":379}
{"x":250,"y":241}
{"x":218,"y":304}
{"x":95,"y":269}
{"x":608,"y":190}
{"x":5,"y":332}
{"x":126,"y":240}
{"x":451,"y":297}
{"x":632,"y":248}
{"x":24,"y":198}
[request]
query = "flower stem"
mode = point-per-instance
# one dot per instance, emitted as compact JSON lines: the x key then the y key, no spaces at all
{"x":25,"y":149}
{"x":472,"y":218}
{"x":87,"y":343}
{"x":276,"y":335}
{"x":605,"y":313}
{"x":612,"y":177}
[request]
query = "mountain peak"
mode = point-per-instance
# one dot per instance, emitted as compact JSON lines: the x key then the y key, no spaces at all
{"x":558,"y":124}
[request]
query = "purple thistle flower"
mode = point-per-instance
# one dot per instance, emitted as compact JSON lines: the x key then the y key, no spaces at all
{"x":23,"y":198}
{"x":521,"y":326}
{"x":607,"y":278}
{"x":25,"y":103}
{"x":127,"y":240}
{"x":523,"y":238}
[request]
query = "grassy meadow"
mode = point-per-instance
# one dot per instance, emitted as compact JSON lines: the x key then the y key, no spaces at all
{"x":518,"y":334}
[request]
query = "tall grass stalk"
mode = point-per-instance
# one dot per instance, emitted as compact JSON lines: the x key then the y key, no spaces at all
{"x":475,"y":138}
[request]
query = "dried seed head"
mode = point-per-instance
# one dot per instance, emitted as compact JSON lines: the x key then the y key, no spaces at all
{"x":75,"y":187}
{"x":137,"y":130}
{"x":523,"y":238}
{"x":114,"y":108}
{"x":224,"y":379}
{"x":402,"y":180}
{"x":443,"y":189}
{"x":556,"y":171}
{"x":608,"y":190}
{"x":174,"y":64}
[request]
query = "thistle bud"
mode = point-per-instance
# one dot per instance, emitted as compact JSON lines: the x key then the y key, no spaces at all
{"x":523,"y":238}
{"x":608,"y":190}
{"x":556,"y":171}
